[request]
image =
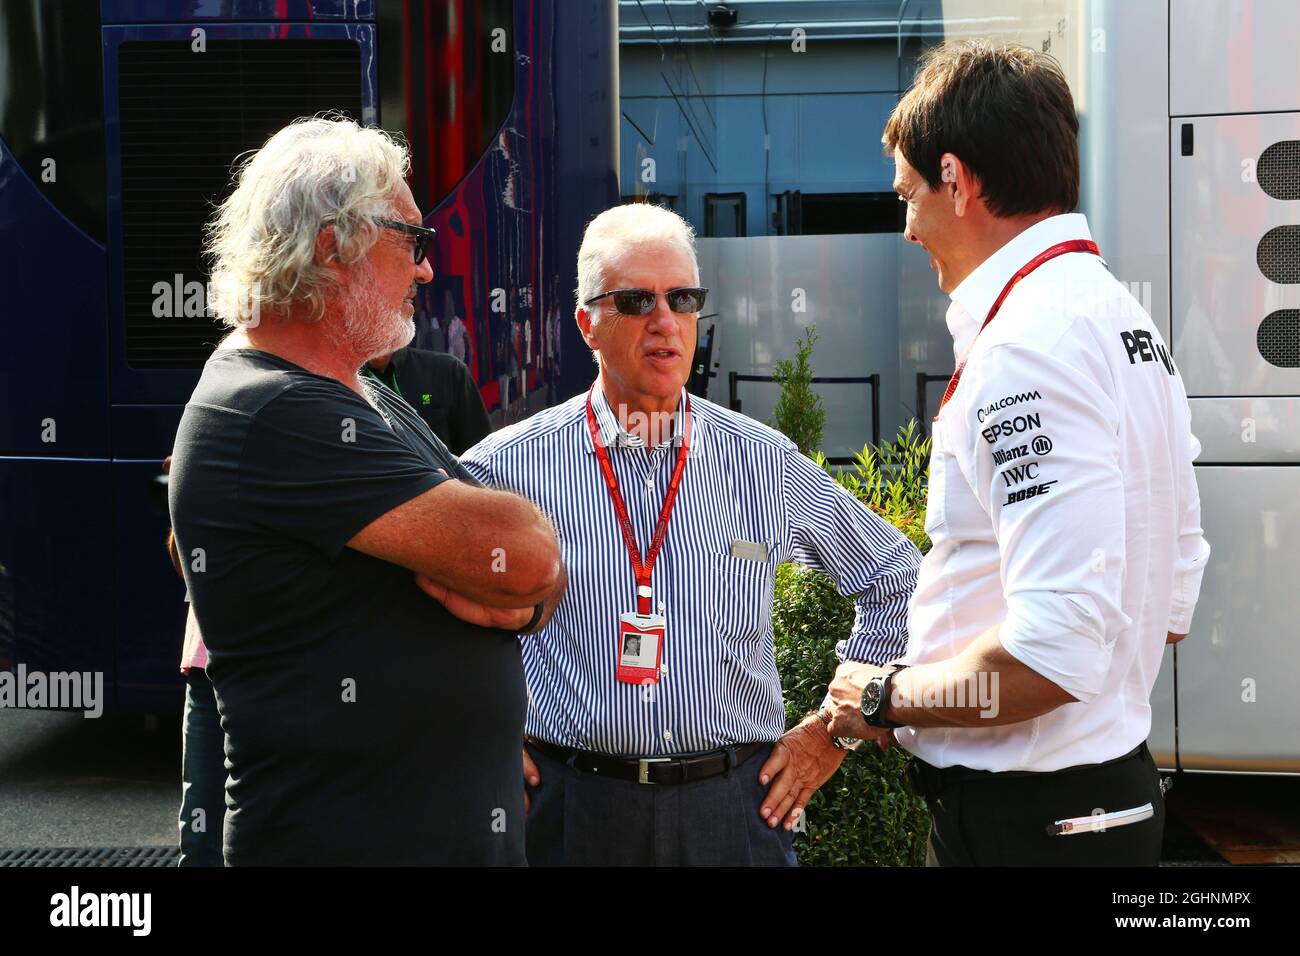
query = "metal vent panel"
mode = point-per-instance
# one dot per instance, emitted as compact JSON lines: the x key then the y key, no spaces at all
{"x":1278,"y":338}
{"x":1278,"y":170}
{"x":185,"y":116}
{"x":1278,"y":255}
{"x":1234,"y":257}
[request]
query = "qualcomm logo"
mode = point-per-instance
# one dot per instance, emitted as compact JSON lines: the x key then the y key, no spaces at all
{"x":1007,"y":402}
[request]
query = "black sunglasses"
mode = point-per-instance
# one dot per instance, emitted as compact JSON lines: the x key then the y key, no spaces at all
{"x":424,"y":236}
{"x":642,"y":301}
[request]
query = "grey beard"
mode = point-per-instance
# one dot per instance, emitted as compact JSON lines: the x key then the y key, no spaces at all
{"x":366,"y":328}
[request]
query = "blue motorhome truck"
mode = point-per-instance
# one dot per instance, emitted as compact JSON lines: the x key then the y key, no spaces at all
{"x":119,"y":123}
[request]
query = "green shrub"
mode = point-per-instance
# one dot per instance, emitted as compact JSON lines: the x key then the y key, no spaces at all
{"x":799,"y":413}
{"x":891,"y":479}
{"x":864,"y":815}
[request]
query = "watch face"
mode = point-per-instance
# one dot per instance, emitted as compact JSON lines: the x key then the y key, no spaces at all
{"x":871,"y":696}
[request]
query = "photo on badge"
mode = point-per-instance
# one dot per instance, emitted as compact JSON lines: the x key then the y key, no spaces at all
{"x":635,"y":654}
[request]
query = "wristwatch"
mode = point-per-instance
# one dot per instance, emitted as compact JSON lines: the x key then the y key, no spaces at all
{"x":875,"y":697}
{"x":823,"y":714}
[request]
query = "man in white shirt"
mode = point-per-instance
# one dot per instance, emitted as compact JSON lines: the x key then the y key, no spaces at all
{"x":1062,"y":502}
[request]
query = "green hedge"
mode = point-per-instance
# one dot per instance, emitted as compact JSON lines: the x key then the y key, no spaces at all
{"x":864,"y":815}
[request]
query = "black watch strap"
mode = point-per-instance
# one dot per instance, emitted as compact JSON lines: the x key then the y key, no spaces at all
{"x":878,"y":718}
{"x":538,"y":611}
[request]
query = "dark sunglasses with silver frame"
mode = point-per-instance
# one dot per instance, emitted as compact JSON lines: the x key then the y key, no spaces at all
{"x":642,"y":301}
{"x":424,"y":235}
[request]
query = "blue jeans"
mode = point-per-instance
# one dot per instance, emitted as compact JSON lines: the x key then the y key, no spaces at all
{"x":580,"y":819}
{"x":203,"y":774}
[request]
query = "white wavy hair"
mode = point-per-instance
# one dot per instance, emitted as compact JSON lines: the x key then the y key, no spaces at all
{"x":610,"y":233}
{"x":315,"y":171}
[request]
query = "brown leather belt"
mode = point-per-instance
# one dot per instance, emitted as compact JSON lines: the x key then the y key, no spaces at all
{"x":650,"y":770}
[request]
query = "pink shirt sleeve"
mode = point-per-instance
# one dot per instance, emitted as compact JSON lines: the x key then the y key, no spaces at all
{"x":194,"y":653}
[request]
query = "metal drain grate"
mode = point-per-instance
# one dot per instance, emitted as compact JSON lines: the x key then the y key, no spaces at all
{"x":92,"y":856}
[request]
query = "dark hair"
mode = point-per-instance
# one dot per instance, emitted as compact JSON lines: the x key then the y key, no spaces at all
{"x":1006,"y":112}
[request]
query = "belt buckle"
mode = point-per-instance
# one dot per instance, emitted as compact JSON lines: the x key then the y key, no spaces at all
{"x":643,"y":767}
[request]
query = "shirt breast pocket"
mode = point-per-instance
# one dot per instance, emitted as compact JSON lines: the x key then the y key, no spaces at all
{"x":740,"y":601}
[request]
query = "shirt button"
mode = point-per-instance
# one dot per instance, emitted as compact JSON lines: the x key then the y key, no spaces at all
{"x":668,"y":735}
{"x":663,"y":668}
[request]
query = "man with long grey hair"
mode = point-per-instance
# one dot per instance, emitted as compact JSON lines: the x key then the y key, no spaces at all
{"x":316,"y":516}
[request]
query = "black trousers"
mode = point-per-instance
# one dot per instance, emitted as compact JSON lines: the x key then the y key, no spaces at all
{"x":995,"y":819}
{"x":581,"y":819}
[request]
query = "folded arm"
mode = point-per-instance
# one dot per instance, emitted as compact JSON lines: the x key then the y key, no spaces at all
{"x":493,"y":547}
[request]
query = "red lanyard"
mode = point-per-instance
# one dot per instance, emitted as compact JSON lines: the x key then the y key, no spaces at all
{"x":1060,"y":249}
{"x":642,"y":571}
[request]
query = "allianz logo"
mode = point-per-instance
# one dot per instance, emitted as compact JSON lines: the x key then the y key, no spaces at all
{"x":1004,"y":455}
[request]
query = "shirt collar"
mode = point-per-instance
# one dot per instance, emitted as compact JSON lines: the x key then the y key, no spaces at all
{"x":397,"y":361}
{"x":614,"y":435}
{"x":391,"y":370}
{"x":973,"y":298}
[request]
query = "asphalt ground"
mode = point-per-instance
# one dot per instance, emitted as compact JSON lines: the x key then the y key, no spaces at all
{"x":69,"y":781}
{"x":114,"y":781}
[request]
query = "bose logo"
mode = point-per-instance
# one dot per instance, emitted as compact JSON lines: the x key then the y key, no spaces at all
{"x":1033,"y":491}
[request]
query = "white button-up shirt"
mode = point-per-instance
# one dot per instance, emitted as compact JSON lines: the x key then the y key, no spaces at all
{"x":1062,"y":505}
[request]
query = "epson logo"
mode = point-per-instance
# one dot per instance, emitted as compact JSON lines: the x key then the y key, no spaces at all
{"x":1005,"y":429}
{"x":1010,"y":454}
{"x":1007,"y":402}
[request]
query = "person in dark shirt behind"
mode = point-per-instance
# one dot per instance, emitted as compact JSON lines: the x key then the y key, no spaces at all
{"x":440,"y":389}
{"x":359,"y":593}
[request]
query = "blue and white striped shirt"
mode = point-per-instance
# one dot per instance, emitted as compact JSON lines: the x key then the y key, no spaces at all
{"x":743,"y":482}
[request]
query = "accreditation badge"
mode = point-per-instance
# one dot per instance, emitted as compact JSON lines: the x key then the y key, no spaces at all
{"x":640,"y":647}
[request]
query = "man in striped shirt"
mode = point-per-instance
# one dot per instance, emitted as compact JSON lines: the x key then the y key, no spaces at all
{"x":656,"y":728}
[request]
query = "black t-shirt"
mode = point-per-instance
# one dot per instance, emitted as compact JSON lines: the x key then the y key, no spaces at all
{"x":364,"y":724}
{"x":441,"y":390}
